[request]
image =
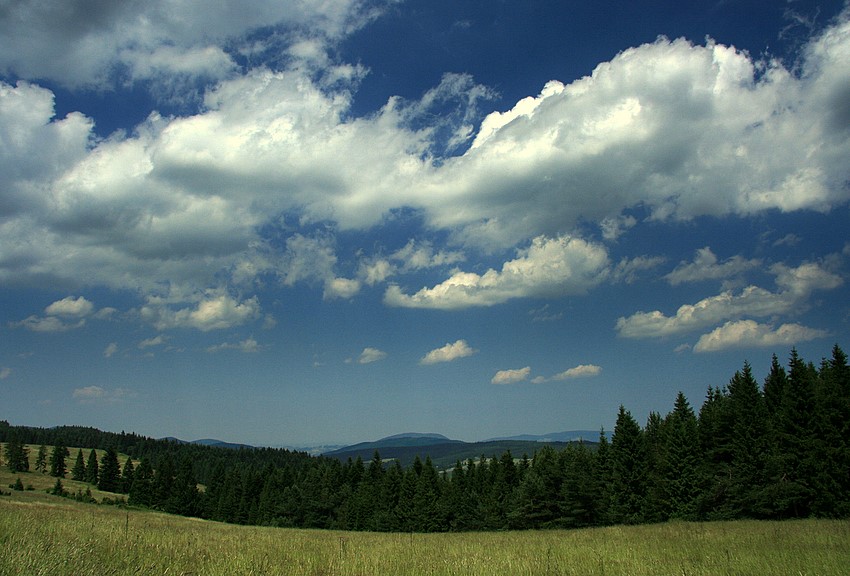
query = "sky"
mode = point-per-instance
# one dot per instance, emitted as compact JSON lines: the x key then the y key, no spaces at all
{"x":326,"y":222}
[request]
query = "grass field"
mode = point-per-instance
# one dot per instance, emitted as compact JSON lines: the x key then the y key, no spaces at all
{"x":47,"y":535}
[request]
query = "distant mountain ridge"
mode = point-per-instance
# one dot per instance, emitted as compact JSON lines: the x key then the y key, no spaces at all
{"x":445,"y":452}
{"x":209,"y":442}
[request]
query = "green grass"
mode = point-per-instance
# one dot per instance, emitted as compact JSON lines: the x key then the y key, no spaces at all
{"x":41,"y":534}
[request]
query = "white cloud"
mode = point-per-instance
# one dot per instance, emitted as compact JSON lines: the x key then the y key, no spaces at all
{"x":48,"y":324}
{"x":5,"y":372}
{"x":748,"y":333}
{"x":110,"y":350}
{"x":71,"y":45}
{"x":580,"y":371}
{"x":92,"y":394}
{"x":796,"y":285}
{"x":188,"y":200}
{"x":547,"y":268}
{"x":341,"y":288}
{"x":158,"y":340}
{"x":370,"y":355}
{"x":511,"y":376}
{"x":448,"y":353}
{"x":248,"y":346}
{"x":705,"y":266}
{"x":70,"y":307}
{"x":212,"y":312}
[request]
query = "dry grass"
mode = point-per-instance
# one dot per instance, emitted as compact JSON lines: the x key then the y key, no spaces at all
{"x":41,"y":534}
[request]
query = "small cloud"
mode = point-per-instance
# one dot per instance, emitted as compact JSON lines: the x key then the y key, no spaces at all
{"x":70,"y":307}
{"x":682,"y":348}
{"x":544,"y":314}
{"x":748,"y":333}
{"x":151,"y":342}
{"x":511,"y":376}
{"x":91,"y":394}
{"x":788,"y":240}
{"x":370,"y":355}
{"x":5,"y":372}
{"x":249,"y":345}
{"x":449,"y":352}
{"x":110,"y":350}
{"x":47,"y":324}
{"x":343,"y":288}
{"x":580,"y":371}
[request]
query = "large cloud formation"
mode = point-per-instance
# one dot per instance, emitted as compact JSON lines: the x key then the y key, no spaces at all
{"x":183,"y":205}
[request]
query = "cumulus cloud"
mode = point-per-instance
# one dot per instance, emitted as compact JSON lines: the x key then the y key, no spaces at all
{"x":370,"y":355}
{"x":77,"y":46}
{"x":748,"y":333}
{"x":70,"y":306}
{"x":796,"y":285}
{"x":706,"y":266}
{"x":212,"y":312}
{"x":547,"y":268}
{"x":580,"y":371}
{"x":676,"y":129}
{"x":511,"y":376}
{"x":448,"y":353}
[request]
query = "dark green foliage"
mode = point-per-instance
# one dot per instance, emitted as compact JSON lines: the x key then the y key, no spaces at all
{"x":41,"y":459}
{"x":58,"y":468}
{"x":79,"y":471}
{"x":92,"y":469}
{"x":17,"y":455}
{"x":779,"y":451}
{"x":109,"y":479}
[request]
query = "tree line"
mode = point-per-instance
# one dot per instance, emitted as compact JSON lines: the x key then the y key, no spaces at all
{"x":772,"y":451}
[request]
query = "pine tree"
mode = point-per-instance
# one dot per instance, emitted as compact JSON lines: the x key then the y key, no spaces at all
{"x":628,"y":469}
{"x":109,"y":479}
{"x":79,"y":471}
{"x":58,"y":468}
{"x":92,"y":469}
{"x":681,"y":464}
{"x":17,"y":455}
{"x":141,"y":492}
{"x":750,"y":446}
{"x":127,"y":474}
{"x":41,"y":459}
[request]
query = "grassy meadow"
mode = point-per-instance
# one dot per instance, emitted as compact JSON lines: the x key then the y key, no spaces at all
{"x":46,"y":535}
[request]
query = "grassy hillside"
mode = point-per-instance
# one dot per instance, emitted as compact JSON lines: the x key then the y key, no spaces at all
{"x":41,"y":534}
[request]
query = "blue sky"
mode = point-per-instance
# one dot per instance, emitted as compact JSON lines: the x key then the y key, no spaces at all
{"x":328,"y":222}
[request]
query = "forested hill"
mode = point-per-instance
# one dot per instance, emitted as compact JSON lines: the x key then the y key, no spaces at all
{"x":779,"y":449}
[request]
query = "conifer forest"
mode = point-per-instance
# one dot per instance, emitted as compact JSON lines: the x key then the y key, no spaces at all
{"x":772,"y":450}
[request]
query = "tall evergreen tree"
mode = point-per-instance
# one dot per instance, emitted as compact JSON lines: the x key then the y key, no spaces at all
{"x":628,"y":469}
{"x":127,"y":474}
{"x":92,"y":468}
{"x":750,"y":446}
{"x":17,"y":455}
{"x":141,"y":492}
{"x":41,"y":459}
{"x":680,"y":468}
{"x":78,"y":473}
{"x":58,"y":468}
{"x":110,"y":472}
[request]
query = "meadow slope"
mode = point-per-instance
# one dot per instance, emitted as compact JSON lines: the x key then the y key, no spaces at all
{"x":46,"y":535}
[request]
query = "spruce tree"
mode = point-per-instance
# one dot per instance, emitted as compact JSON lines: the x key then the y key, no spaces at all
{"x":628,"y":469}
{"x":127,"y":474}
{"x":58,"y":468}
{"x":680,"y":469}
{"x":141,"y":492}
{"x":109,"y":479}
{"x":92,"y":468}
{"x":41,"y":459}
{"x":78,"y":473}
{"x":750,"y":446}
{"x":17,"y":455}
